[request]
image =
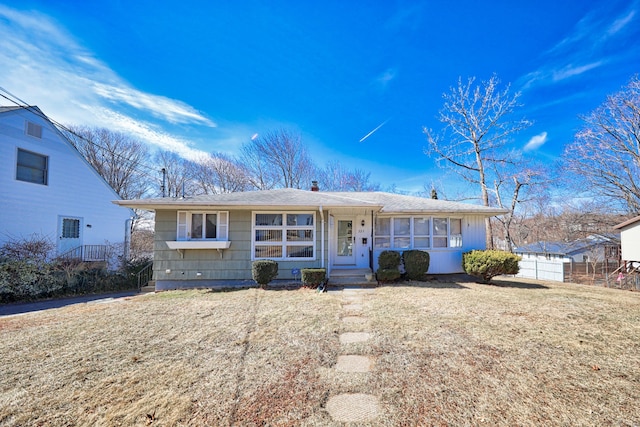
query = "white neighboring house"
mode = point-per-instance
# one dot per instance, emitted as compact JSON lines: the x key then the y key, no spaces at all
{"x":550,"y":260}
{"x":48,"y":189}
{"x":630,"y":241}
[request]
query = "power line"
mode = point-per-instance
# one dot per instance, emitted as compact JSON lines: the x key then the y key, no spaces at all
{"x":24,"y":105}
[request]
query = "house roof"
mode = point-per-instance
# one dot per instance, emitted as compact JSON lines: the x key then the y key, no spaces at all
{"x":565,"y":248}
{"x":5,"y":108}
{"x":288,"y":197}
{"x":627,"y":223}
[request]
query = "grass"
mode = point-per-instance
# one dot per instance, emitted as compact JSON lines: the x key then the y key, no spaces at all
{"x":518,"y":353}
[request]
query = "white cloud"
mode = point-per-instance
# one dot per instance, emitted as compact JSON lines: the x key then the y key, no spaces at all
{"x":42,"y":64}
{"x":574,"y":70}
{"x":536,"y":142}
{"x":386,"y":77}
{"x":593,"y":42}
{"x":621,"y":22}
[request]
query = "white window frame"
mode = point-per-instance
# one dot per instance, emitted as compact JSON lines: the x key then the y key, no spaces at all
{"x":453,"y":241}
{"x":184,"y":221}
{"x":283,"y":243}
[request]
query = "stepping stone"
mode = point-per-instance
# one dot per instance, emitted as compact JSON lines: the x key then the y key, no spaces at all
{"x":358,"y":291}
{"x":352,"y":363}
{"x":353,"y":407}
{"x":353,"y":307}
{"x":355,"y":320}
{"x":354,"y":337}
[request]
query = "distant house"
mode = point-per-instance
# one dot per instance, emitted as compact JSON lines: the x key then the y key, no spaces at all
{"x":630,"y":241}
{"x":546,"y":260}
{"x":203,"y":240}
{"x":48,"y":189}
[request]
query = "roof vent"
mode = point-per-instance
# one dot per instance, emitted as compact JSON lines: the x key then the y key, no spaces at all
{"x":314,"y":186}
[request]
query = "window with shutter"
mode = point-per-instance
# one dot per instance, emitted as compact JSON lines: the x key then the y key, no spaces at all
{"x":202,"y":226}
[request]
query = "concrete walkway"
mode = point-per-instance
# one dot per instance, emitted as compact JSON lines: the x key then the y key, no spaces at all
{"x":354,"y":407}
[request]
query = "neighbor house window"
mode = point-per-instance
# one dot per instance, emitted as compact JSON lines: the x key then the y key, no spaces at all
{"x":203,"y":225}
{"x":32,"y":167}
{"x":418,"y":232}
{"x":280,"y":235}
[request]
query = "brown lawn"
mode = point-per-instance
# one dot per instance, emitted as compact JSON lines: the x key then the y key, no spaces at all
{"x":520,"y":353}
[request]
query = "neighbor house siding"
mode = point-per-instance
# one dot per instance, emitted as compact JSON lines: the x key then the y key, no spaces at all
{"x":630,"y":240}
{"x":73,"y":188}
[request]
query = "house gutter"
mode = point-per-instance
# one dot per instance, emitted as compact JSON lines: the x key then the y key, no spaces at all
{"x":322,"y":238}
{"x":127,"y":238}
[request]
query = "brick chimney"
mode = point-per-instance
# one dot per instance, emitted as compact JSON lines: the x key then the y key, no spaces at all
{"x":314,"y":186}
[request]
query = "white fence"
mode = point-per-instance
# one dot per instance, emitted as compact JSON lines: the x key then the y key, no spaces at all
{"x":542,"y":269}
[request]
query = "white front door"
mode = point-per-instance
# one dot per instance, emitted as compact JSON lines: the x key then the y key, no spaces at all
{"x":69,"y":233}
{"x":345,"y":248}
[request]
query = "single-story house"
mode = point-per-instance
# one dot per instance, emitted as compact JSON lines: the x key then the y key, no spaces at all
{"x":590,"y":249}
{"x":202,"y":240}
{"x":555,"y":260}
{"x":630,"y":242}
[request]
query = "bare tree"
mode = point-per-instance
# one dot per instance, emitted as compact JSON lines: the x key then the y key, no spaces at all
{"x":335,"y":177}
{"x":605,"y":155}
{"x":118,"y":158}
{"x":476,"y":129}
{"x":277,"y":159}
{"x":219,"y":173}
{"x":512,"y":186}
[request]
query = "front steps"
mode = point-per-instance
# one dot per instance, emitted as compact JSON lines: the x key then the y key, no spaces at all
{"x":151,"y":287}
{"x":352,"y":276}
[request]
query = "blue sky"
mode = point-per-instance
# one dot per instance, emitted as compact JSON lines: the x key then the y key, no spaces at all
{"x":204,"y":76}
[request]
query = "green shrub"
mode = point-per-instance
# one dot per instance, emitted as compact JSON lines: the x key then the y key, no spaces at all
{"x":388,"y":266}
{"x":389,"y":259}
{"x":29,"y":281}
{"x":490,"y":263}
{"x":313,"y":276}
{"x":264,"y":271}
{"x":416,"y":264}
{"x":385,"y":275}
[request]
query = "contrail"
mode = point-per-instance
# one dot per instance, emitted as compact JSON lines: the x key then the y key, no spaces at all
{"x":373,"y":131}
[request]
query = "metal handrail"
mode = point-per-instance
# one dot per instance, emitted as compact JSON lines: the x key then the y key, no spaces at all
{"x":145,"y":275}
{"x":86,"y":253}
